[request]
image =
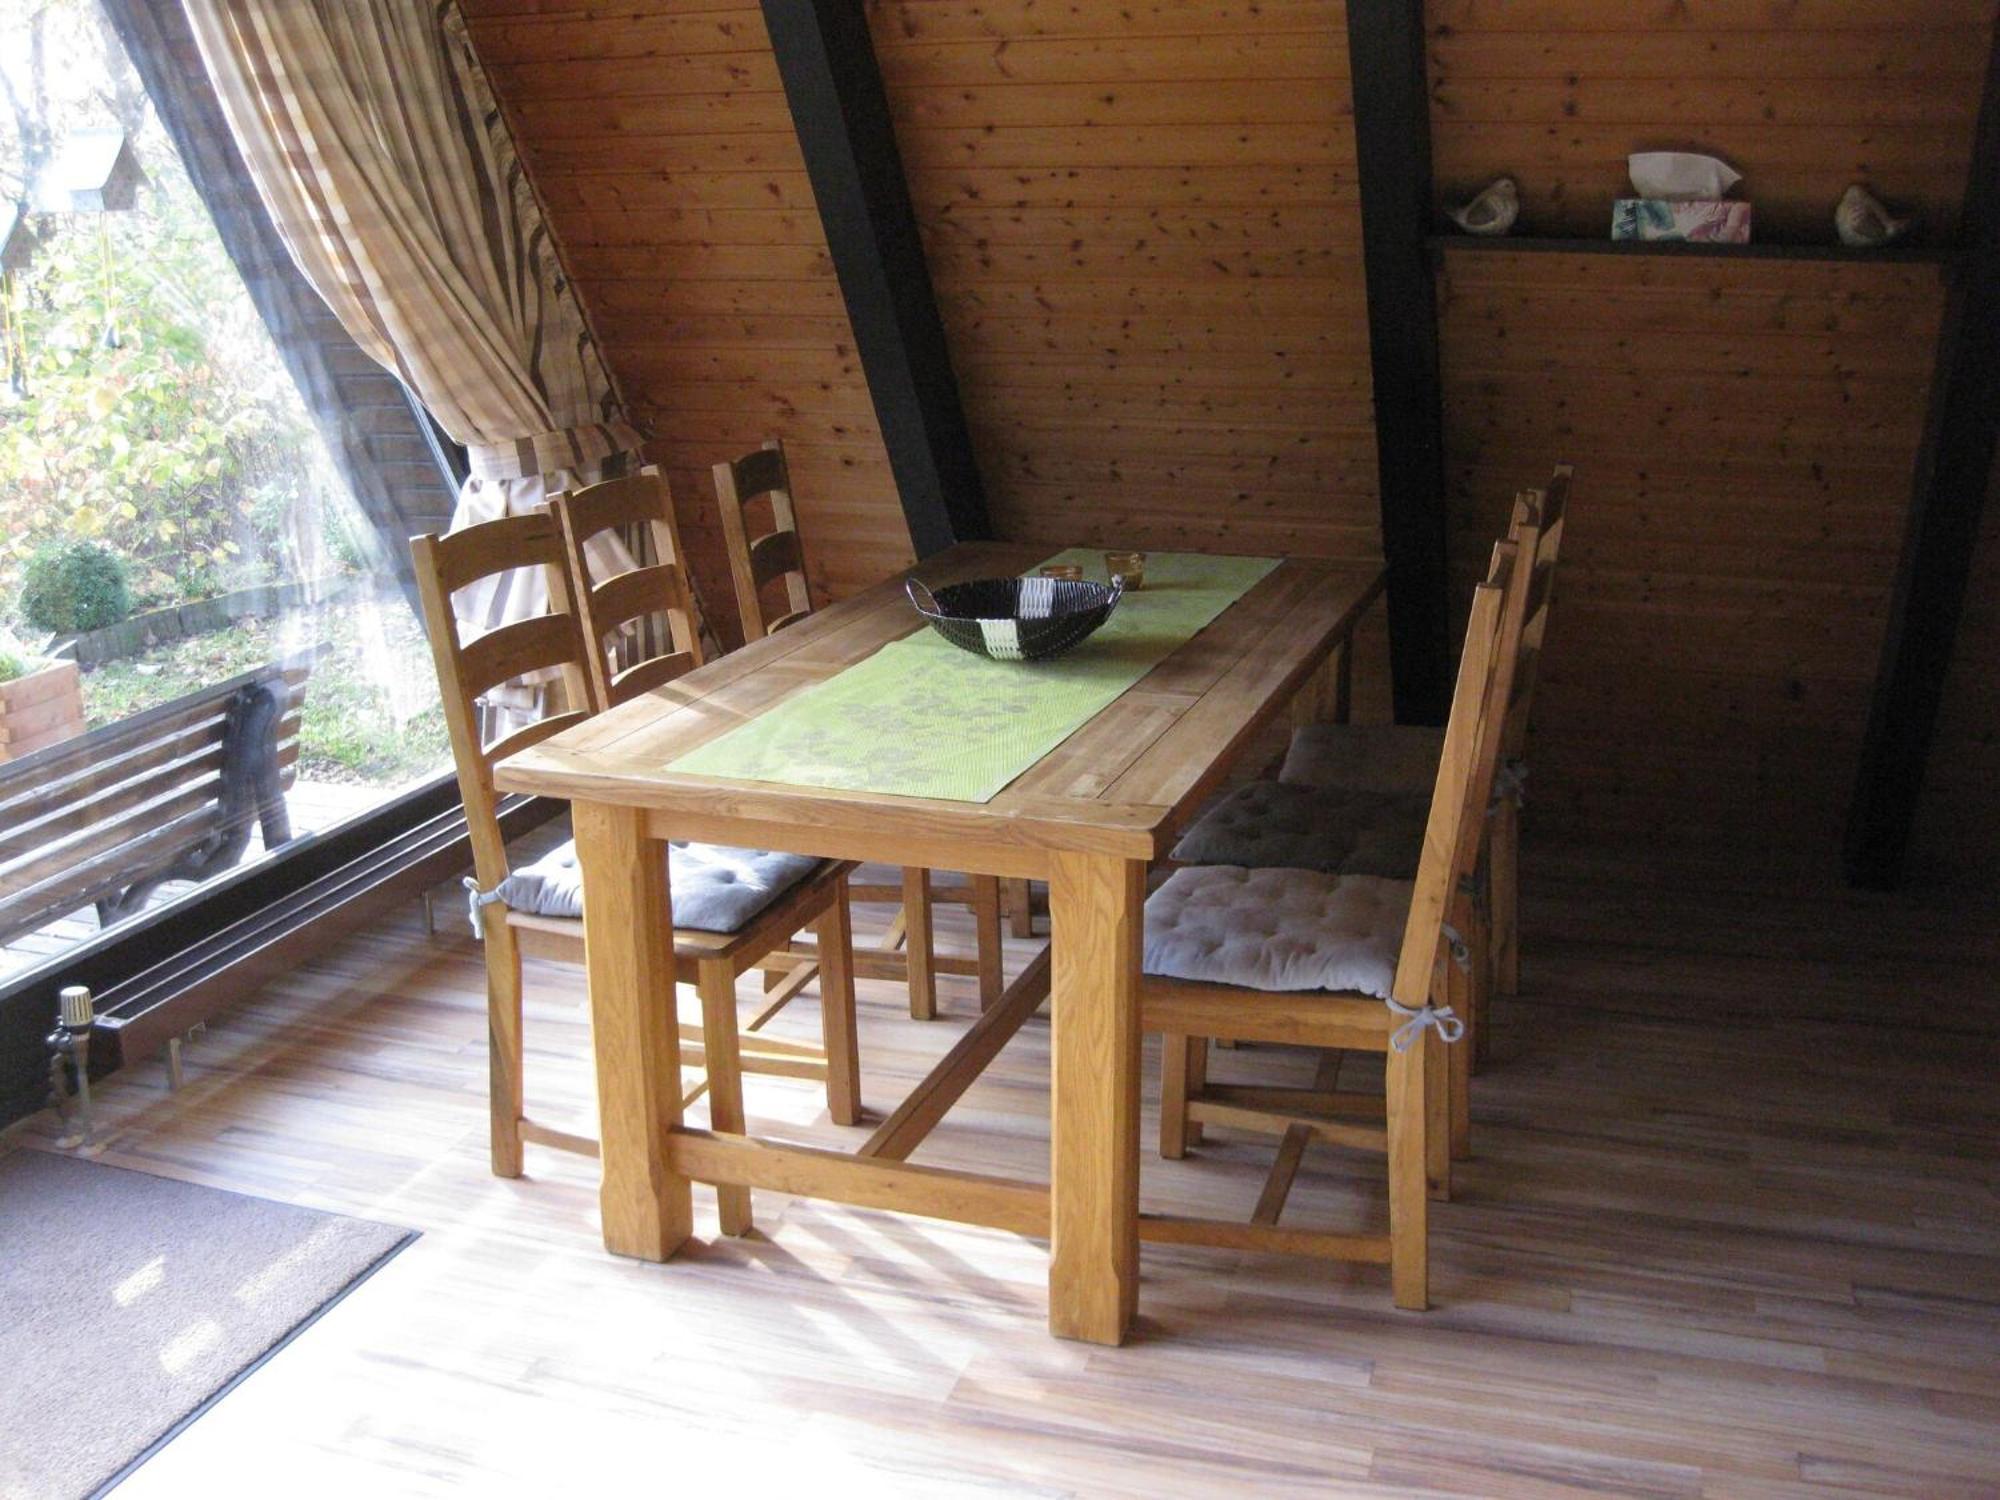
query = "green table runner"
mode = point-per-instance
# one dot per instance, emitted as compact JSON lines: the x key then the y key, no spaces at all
{"x":921,"y":718}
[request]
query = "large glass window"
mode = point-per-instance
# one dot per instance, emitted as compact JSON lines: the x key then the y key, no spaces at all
{"x":210,"y":650}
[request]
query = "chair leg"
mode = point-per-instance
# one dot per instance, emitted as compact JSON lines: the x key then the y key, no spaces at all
{"x":503,"y":1046}
{"x":1437,"y":1130}
{"x":1197,"y":1076}
{"x":724,"y":1065}
{"x":1174,"y":1054}
{"x":986,"y":929}
{"x":1468,"y":999}
{"x":835,"y":930}
{"x":1504,"y":882}
{"x":1409,"y":1193}
{"x":919,"y":949}
{"x":1021,"y":908}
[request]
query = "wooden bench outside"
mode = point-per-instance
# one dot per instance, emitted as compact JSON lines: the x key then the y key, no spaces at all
{"x":169,"y":794}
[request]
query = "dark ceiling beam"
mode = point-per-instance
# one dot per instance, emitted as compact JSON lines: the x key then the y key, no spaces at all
{"x":841,"y":114}
{"x":1953,"y":471}
{"x":1392,"y":146}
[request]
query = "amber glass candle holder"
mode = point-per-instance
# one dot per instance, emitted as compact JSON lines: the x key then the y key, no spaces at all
{"x":1070,"y":571}
{"x":1130,"y":566}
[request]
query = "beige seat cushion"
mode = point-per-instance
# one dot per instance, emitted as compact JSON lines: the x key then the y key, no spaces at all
{"x":1369,"y":757}
{"x":1268,"y":824}
{"x":1277,"y":929}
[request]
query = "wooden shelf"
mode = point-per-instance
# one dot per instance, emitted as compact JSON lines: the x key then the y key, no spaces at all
{"x":1907,"y":254}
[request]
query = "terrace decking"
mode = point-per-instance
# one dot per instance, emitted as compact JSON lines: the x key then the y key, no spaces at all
{"x":1729,"y":1230}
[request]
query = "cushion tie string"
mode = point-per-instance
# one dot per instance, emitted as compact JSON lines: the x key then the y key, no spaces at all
{"x":476,"y":898}
{"x":1441,"y":1019}
{"x":1510,"y":784}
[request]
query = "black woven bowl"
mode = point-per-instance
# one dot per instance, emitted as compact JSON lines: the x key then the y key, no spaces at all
{"x":1017,"y":619}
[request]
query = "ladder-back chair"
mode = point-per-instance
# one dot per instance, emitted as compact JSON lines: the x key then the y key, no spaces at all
{"x":1209,"y":925}
{"x":647,"y":606}
{"x":1375,"y":827}
{"x":772,"y":564}
{"x":1389,"y":757}
{"x":506,"y":902}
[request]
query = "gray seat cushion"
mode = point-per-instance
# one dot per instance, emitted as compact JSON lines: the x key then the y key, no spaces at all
{"x":1367,"y":757}
{"x":1268,"y":824}
{"x":1277,"y":929}
{"x":715,"y":888}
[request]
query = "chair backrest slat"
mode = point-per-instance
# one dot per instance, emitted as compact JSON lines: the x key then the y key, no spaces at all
{"x":755,"y":563}
{"x":774,"y":553}
{"x":657,"y":590}
{"x":654,"y":671}
{"x":514,"y":650}
{"x":637,"y":594}
{"x":533,"y":734}
{"x":551,"y":642}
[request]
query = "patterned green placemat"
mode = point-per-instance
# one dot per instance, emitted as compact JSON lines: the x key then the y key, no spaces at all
{"x":921,"y":718}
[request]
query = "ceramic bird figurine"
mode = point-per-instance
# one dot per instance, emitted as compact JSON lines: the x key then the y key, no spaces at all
{"x":1493,"y":211}
{"x":1860,"y":219}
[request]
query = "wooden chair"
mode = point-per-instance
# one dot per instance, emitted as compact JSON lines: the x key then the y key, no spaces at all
{"x":649,"y":609}
{"x":1410,"y":1027}
{"x":554,"y":641}
{"x":774,"y":564}
{"x":1359,"y":826}
{"x":1400,"y":757}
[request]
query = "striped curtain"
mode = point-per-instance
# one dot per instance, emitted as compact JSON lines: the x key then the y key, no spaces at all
{"x":377,"y":147}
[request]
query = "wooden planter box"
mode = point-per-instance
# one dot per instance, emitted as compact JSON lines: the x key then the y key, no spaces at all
{"x":40,"y":709}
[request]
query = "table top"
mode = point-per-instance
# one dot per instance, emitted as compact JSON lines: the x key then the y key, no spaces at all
{"x":1120,"y":785}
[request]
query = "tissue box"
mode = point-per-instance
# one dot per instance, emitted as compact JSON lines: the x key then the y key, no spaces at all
{"x":1724,"y":221}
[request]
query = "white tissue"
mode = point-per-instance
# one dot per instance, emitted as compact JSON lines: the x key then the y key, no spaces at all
{"x":1681,"y":174}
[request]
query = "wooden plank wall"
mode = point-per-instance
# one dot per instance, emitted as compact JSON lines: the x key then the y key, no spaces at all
{"x":1743,"y":433}
{"x":1143,"y":228}
{"x":1141,"y":221}
{"x":1743,"y":430}
{"x":658,"y":136}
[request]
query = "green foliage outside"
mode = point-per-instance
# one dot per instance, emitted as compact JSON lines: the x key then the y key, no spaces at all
{"x":148,"y":409}
{"x":371,"y":716}
{"x":146,"y":415}
{"x":74,"y":586}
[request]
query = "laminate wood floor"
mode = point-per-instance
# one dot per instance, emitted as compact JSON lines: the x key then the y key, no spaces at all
{"x":1732,"y":1230}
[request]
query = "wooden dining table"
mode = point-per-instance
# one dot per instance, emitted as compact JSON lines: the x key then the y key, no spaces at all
{"x":1087,"y":817}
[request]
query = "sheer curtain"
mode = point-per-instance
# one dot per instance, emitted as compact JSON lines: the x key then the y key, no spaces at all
{"x":375,"y":142}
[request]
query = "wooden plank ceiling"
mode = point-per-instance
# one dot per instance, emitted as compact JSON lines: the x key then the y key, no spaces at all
{"x":1142,"y":225}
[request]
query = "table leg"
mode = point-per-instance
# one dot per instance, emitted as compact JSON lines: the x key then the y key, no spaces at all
{"x":919,"y":944}
{"x":1096,"y":907}
{"x":646,"y":1206}
{"x":1327,"y":696}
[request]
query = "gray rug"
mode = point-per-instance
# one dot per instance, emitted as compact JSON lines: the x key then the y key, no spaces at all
{"x":130,"y":1303}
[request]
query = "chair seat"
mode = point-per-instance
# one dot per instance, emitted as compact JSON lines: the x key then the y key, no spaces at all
{"x":1366,"y":757}
{"x":1277,"y":929}
{"x":715,"y":888}
{"x":1336,"y":830}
